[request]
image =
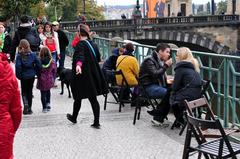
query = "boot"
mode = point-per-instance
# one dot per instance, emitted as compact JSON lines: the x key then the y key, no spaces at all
{"x":25,"y":105}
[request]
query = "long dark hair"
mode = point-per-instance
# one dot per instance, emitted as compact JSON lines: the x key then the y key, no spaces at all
{"x":45,"y":52}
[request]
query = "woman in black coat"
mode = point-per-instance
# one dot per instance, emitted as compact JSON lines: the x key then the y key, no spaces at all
{"x":87,"y":81}
{"x":187,"y":81}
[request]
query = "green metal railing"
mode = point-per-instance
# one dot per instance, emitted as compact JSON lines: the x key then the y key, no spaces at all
{"x":221,"y":70}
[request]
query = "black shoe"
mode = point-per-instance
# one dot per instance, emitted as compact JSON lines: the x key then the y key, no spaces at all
{"x":70,"y":118}
{"x":96,"y":125}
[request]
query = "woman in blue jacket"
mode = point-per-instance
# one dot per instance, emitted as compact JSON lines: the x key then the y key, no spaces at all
{"x":27,"y":66}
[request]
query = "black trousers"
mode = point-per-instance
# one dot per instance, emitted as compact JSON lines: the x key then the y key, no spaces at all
{"x":95,"y":108}
{"x":26,"y":89}
{"x":163,"y":108}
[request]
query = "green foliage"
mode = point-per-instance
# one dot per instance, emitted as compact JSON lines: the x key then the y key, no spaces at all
{"x":221,"y":7}
{"x":92,"y":10}
{"x":53,"y":9}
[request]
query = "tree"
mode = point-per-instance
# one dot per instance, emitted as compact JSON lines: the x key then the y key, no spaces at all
{"x":222,"y":7}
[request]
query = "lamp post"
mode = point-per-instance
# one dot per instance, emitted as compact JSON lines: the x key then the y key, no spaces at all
{"x":84,"y":7}
{"x":233,"y":7}
{"x":213,"y":7}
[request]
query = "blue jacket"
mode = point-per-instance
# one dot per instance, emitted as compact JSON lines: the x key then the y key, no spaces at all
{"x":27,"y":66}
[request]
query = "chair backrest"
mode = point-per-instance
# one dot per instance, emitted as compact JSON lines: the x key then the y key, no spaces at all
{"x":199,"y":103}
{"x":118,"y":73}
{"x":196,"y":125}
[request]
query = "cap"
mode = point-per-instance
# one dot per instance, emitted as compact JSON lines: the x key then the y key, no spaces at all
{"x":55,"y":23}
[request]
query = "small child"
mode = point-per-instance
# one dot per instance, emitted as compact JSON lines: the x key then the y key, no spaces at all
{"x":46,"y":79}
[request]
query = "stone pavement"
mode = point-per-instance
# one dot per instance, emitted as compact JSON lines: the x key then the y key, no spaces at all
{"x":52,"y":136}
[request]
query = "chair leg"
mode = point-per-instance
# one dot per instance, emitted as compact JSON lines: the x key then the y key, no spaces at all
{"x":187,"y":144}
{"x":120,"y":100}
{"x":184,"y":126}
{"x":139,"y":112}
{"x":174,"y":123}
{"x":135,"y":116}
{"x":105,"y":101}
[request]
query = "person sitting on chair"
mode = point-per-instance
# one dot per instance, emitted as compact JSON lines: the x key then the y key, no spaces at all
{"x":110,"y":63}
{"x":129,"y":66}
{"x":153,"y":78}
{"x":187,"y":82}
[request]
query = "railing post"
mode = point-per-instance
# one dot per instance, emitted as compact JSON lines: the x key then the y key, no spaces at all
{"x":226,"y":92}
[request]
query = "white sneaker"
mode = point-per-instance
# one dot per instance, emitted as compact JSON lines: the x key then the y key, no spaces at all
{"x":159,"y":124}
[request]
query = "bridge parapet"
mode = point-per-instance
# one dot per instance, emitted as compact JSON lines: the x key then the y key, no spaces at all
{"x":161,"y":22}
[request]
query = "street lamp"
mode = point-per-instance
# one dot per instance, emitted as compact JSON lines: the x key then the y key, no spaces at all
{"x":213,"y":7}
{"x":84,"y":7}
{"x":233,"y":7}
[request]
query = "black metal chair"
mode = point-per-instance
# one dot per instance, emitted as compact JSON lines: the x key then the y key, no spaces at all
{"x":117,"y":90}
{"x":221,"y":147}
{"x":202,"y":103}
{"x":143,"y":100}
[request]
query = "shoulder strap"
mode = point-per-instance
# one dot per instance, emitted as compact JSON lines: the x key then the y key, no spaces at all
{"x":91,"y":48}
{"x":121,"y":61}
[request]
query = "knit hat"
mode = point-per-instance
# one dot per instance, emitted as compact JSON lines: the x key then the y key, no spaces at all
{"x":82,"y":28}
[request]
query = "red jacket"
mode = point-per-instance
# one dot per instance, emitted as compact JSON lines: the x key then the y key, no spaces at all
{"x":75,"y":40}
{"x":10,"y":108}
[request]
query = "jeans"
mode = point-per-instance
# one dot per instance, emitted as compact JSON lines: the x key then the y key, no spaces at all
{"x":45,"y":98}
{"x":62,"y":59}
{"x":155,"y":91}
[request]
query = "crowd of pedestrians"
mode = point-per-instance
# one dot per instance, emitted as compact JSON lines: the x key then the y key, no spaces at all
{"x":36,"y":53}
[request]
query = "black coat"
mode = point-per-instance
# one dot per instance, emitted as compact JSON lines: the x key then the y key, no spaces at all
{"x":7,"y":44}
{"x":187,"y":83}
{"x":91,"y":82}
{"x":63,"y":40}
{"x":152,"y":71}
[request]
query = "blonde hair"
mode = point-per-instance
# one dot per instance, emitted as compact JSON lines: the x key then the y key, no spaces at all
{"x":45,"y":52}
{"x":185,"y":54}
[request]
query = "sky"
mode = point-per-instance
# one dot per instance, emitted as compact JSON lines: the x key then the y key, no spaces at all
{"x":129,"y":2}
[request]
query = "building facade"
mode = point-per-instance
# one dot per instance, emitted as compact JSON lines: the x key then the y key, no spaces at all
{"x":230,"y":7}
{"x":166,"y":8}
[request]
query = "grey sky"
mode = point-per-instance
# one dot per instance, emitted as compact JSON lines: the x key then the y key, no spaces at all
{"x":128,"y":2}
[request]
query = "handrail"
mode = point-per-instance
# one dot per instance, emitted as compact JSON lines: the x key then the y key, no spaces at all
{"x":221,"y":70}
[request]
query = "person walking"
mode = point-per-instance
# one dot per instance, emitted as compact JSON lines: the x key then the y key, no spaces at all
{"x":10,"y":108}
{"x":87,"y":81}
{"x":63,"y":43}
{"x":27,"y":66}
{"x":25,"y":31}
{"x":46,"y":78}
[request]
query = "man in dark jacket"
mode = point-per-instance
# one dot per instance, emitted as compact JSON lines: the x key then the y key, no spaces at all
{"x":25,"y":31}
{"x":152,"y":76}
{"x":63,"y":43}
